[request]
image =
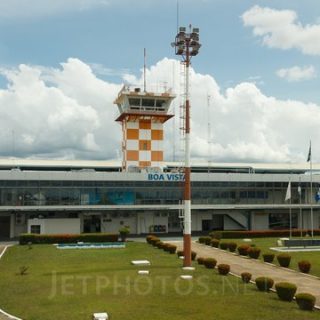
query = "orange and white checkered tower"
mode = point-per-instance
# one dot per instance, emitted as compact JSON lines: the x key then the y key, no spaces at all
{"x":142,"y":115}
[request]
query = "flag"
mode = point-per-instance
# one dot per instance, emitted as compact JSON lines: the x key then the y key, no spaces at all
{"x":299,"y":190}
{"x":288,"y":194}
{"x":309,"y":153}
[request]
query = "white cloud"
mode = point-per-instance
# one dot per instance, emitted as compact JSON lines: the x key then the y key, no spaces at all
{"x":29,"y":8}
{"x":37,"y":118}
{"x":281,"y":29}
{"x":296,"y":73}
{"x":99,"y":69}
{"x":69,"y":113}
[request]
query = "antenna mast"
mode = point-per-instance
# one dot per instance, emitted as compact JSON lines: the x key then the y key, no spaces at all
{"x":177,"y":16}
{"x":187,"y":45}
{"x":209,"y":132}
{"x":144,"y":70}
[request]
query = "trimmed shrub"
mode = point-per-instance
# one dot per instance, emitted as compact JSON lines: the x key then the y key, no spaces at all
{"x":264,"y":283}
{"x":305,"y":301}
{"x":210,"y":263}
{"x":254,"y":252}
{"x":193,"y":255}
{"x":216,"y":235}
{"x":246,"y":277}
{"x":286,"y":290}
{"x":284,"y":259}
{"x":200,"y":260}
{"x":243,"y":249}
{"x":159,"y":245}
{"x":180,"y":253}
{"x":201,"y":240}
{"x":304,"y":266}
{"x":223,"y":269}
{"x":215,"y":243}
{"x":232,"y":246}
{"x":154,"y":240}
{"x":268,"y":257}
{"x":149,"y":237}
{"x":205,"y":240}
{"x":170,"y":248}
{"x":31,"y":238}
{"x":224,"y":245}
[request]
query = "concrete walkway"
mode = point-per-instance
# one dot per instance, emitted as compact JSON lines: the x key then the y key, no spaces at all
{"x":239,"y":264}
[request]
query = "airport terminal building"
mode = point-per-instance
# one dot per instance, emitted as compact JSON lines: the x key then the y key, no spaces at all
{"x":144,"y":192}
{"x":53,"y":196}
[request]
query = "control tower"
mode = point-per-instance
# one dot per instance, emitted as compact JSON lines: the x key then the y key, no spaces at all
{"x":142,"y":115}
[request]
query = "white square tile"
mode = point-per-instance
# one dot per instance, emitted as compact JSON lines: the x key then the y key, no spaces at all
{"x":145,"y":155}
{"x":144,"y":134}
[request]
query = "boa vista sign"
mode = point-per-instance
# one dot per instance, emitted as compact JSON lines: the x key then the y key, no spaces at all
{"x":166,"y":177}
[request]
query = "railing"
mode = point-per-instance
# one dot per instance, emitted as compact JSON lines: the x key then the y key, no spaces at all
{"x":151,"y":89}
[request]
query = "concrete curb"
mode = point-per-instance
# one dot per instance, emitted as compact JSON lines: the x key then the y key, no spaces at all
{"x":3,"y":251}
{"x":6,"y":314}
{"x":9,"y":316}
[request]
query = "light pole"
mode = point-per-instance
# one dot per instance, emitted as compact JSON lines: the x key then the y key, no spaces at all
{"x":187,"y":45}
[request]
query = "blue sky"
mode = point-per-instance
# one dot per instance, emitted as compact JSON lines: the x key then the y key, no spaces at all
{"x":114,"y":35}
{"x":109,"y":36}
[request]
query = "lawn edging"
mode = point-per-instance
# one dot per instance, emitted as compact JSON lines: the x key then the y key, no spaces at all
{"x":3,"y":251}
{"x":9,"y":316}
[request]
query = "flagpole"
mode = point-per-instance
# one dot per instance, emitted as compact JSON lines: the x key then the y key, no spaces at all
{"x":288,"y":197}
{"x":290,"y":217}
{"x":300,"y":209}
{"x":311,"y":193}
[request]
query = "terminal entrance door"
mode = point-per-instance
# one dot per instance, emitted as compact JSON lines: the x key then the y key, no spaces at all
{"x":5,"y":227}
{"x":216,"y":223}
{"x":92,"y":224}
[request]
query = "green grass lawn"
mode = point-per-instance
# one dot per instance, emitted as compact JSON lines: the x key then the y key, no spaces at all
{"x":265,"y":243}
{"x":73,"y":284}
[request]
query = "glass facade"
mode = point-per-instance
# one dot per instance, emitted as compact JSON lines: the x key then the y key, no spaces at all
{"x":42,"y":193}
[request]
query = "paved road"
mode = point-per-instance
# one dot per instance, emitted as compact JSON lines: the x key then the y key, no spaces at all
{"x":238,"y":264}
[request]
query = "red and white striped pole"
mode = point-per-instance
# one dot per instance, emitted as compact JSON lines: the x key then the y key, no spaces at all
{"x":187,"y":45}
{"x":187,"y":170}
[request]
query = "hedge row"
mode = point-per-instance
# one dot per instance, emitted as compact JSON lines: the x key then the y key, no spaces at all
{"x":259,"y":234}
{"x":156,"y":242}
{"x":254,"y":253}
{"x":286,"y":291}
{"x":67,"y":238}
